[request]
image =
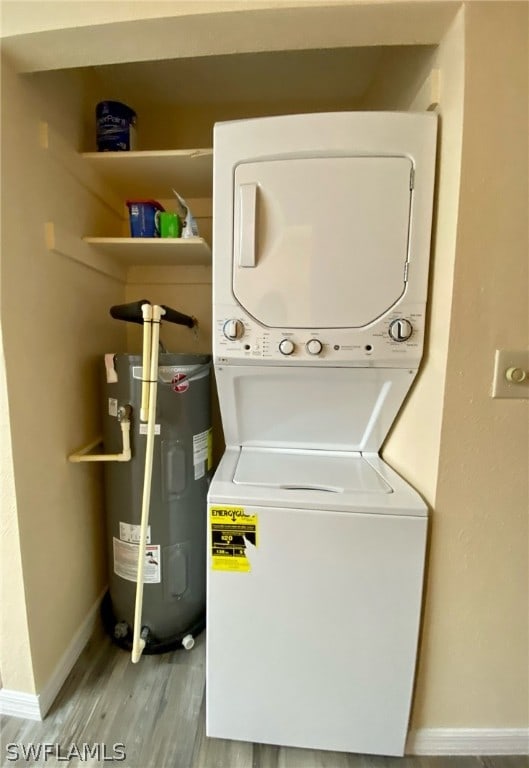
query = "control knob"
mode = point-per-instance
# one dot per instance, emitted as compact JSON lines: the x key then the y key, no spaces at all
{"x":314,"y":346}
{"x":286,"y":347}
{"x":233,"y":329}
{"x":401,"y":329}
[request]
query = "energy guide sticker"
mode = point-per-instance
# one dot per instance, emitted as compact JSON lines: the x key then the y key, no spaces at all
{"x":232,"y":532}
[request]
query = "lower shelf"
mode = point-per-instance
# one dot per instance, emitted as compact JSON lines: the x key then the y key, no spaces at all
{"x":155,"y":251}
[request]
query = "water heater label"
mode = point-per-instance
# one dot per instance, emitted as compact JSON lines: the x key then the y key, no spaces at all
{"x":131,"y":533}
{"x":202,"y":453}
{"x":126,"y":562}
{"x":143,"y":429}
{"x":232,"y":530}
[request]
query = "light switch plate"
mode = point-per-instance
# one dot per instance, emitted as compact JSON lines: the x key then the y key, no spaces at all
{"x":515,"y":361}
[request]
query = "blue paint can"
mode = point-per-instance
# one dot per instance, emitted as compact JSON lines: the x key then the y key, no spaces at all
{"x":115,"y":127}
{"x":144,"y":218}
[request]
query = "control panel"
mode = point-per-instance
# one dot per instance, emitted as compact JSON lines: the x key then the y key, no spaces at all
{"x":396,"y":340}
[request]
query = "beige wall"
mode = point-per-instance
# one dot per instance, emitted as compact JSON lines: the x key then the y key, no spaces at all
{"x":192,"y":126}
{"x":15,"y":657}
{"x":474,"y":669}
{"x":37,"y":16}
{"x":162,"y":31}
{"x":54,"y":327}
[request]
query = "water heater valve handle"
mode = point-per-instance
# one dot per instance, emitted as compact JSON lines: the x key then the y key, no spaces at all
{"x":124,"y":412}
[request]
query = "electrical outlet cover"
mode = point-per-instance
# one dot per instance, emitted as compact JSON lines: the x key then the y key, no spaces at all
{"x":517,"y":363}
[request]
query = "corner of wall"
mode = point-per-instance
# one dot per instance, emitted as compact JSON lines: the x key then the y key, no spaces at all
{"x":15,"y":655}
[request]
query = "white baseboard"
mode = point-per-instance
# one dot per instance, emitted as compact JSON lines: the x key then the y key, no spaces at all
{"x":36,"y":706}
{"x":18,"y":704}
{"x":69,"y":657}
{"x":468,"y":741}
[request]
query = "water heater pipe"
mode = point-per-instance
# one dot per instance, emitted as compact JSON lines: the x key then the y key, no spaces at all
{"x":151,"y":328}
{"x":83,"y":454}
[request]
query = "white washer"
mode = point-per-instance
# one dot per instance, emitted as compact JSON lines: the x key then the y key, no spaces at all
{"x":316,"y":547}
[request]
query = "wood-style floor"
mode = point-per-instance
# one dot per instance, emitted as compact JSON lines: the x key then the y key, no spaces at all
{"x":156,"y":709}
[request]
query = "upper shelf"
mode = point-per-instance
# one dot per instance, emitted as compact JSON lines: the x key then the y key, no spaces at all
{"x":155,"y":173}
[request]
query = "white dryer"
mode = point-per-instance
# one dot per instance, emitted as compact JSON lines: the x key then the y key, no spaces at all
{"x":316,"y":546}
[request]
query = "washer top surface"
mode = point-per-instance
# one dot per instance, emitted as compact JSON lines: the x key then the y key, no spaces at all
{"x":314,"y":480}
{"x":323,"y":471}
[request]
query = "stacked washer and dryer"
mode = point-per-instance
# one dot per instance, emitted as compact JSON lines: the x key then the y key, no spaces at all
{"x":316,"y":546}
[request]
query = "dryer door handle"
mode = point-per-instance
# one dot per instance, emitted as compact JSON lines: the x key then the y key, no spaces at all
{"x":247,"y":220}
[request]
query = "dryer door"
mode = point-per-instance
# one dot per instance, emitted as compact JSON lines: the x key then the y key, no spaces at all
{"x":308,"y":229}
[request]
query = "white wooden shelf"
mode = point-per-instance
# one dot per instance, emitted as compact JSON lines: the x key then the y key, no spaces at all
{"x":143,"y":175}
{"x":154,"y":174}
{"x":153,"y":251}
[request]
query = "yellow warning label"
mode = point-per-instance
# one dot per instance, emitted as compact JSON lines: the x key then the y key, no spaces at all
{"x":232,"y":531}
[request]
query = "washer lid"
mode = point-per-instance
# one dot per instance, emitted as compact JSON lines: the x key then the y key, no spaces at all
{"x":309,"y":228}
{"x":298,"y":470}
{"x":293,"y":407}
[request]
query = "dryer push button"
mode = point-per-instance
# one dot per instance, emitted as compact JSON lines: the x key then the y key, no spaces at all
{"x":286,"y":347}
{"x":314,"y":346}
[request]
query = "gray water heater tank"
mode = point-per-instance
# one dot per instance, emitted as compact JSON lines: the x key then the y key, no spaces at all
{"x":175,"y":566}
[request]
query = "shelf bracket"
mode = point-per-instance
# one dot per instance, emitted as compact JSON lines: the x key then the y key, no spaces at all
{"x":65,"y":156}
{"x":60,"y":241}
